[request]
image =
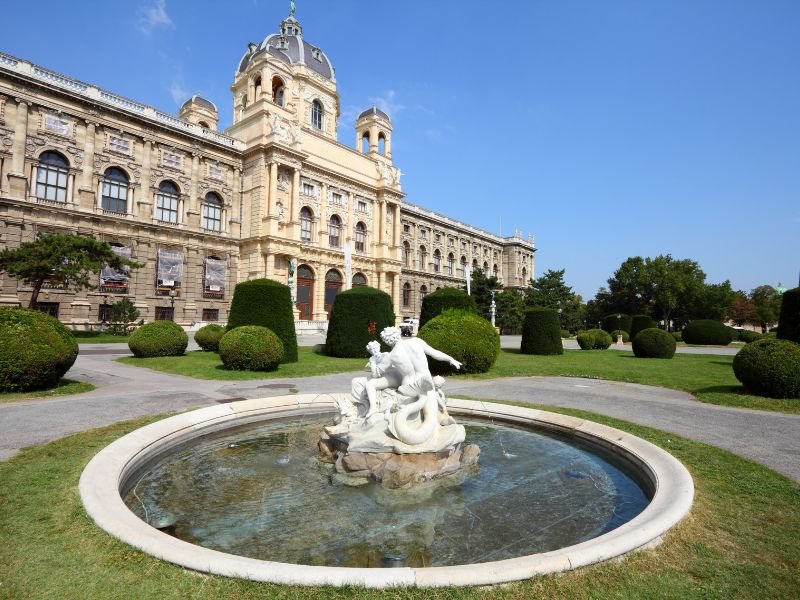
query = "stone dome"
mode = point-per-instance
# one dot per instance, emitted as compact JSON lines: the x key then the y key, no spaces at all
{"x":199,"y":101}
{"x":290,"y":47}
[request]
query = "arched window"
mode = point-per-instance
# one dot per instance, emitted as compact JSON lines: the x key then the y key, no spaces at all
{"x":524,"y":275}
{"x":365,"y":143}
{"x":204,"y":125}
{"x":305,"y":224}
{"x":485,"y":268}
{"x":305,"y":292}
{"x":422,"y":258}
{"x":167,"y":202}
{"x":406,"y":294}
{"x":359,"y":280}
{"x":381,"y":143}
{"x":406,"y":258}
{"x":437,"y":261}
{"x":257,"y":86}
{"x":115,"y":190}
{"x":333,"y":285}
{"x":451,"y":260}
{"x":278,"y":90}
{"x":463,"y":265}
{"x":51,"y":177}
{"x":212,"y":212}
{"x":361,"y":237}
{"x":316,"y":114}
{"x":494,"y":270}
{"x":474,"y":264}
{"x":423,"y":291}
{"x":334,"y":231}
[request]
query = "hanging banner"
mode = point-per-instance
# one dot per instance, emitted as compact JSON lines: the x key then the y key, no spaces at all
{"x":109,"y":275}
{"x":170,"y":267}
{"x":216,"y":272}
{"x":468,"y":278}
{"x":348,"y":266}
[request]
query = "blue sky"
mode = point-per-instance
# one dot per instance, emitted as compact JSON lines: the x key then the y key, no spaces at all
{"x":605,"y":129}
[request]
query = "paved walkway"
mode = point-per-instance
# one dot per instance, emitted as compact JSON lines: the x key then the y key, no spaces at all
{"x":124,"y":392}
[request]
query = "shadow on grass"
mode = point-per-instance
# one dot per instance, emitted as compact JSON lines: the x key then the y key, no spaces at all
{"x":723,"y":389}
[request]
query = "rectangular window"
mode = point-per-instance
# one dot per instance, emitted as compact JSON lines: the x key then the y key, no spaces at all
{"x":115,"y":196}
{"x":212,"y":217}
{"x":51,"y":183}
{"x":215,"y":273}
{"x":119,"y":144}
{"x":362,"y":206}
{"x":216,"y":172}
{"x":307,"y":189}
{"x":406,"y":228}
{"x":51,"y":308}
{"x":104,"y":313}
{"x":170,"y":271}
{"x":56,"y":125}
{"x":165,"y":313}
{"x":167,"y":208}
{"x":423,"y":234}
{"x":171,"y":160}
{"x":211,"y":314}
{"x":438,"y":238}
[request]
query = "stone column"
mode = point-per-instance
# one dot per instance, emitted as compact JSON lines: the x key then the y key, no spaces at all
{"x":235,"y":217}
{"x":20,"y":136}
{"x":145,"y":199}
{"x":381,"y":279}
{"x":396,"y":241}
{"x":193,"y":210}
{"x":273,"y":189}
{"x":294,"y":202}
{"x":382,"y":222}
{"x":396,"y":294}
{"x":351,"y":220}
{"x":373,"y":138}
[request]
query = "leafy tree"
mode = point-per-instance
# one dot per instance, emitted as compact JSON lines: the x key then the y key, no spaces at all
{"x":122,"y":315}
{"x":767,"y":303}
{"x":550,"y":291}
{"x":74,"y":259}
{"x":510,"y":310}
{"x":741,"y":310}
{"x":712,"y":302}
{"x":481,"y":288}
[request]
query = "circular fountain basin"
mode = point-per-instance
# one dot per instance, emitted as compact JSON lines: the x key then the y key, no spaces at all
{"x":119,"y":469}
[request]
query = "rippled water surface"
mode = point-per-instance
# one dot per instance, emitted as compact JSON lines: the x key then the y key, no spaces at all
{"x":262,"y":492}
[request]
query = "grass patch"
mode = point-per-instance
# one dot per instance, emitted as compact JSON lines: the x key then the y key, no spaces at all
{"x":207,"y":365}
{"x":99,"y":337}
{"x":708,"y":377}
{"x":65,"y":387}
{"x":740,"y":540}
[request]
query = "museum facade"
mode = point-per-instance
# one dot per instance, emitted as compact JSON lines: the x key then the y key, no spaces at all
{"x":275,"y":195}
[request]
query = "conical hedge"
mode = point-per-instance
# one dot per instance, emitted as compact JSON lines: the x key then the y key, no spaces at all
{"x":357,"y":317}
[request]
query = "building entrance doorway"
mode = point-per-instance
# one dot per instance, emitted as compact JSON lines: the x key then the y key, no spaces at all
{"x":333,"y":285}
{"x":305,"y":292}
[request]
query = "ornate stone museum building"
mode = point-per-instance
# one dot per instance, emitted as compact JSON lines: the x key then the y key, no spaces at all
{"x":276,"y":195}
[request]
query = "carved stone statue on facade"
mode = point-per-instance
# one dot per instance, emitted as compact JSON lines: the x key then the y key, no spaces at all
{"x":395,"y":427}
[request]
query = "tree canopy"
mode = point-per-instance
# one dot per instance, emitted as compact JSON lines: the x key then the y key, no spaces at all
{"x":550,"y":291}
{"x":73,"y":259}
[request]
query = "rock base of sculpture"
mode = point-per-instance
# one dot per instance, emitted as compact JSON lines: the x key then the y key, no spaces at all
{"x":393,"y":470}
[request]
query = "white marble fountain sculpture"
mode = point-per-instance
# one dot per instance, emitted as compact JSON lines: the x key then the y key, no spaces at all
{"x":394,"y":426}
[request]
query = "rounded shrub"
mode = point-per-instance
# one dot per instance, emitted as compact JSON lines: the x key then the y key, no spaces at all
{"x":616,"y":321}
{"x":734,"y":333}
{"x":602,"y":339}
{"x":639,"y":322}
{"x":541,"y":332}
{"x":706,"y":332}
{"x":565,"y":335}
{"x":208,"y":337}
{"x":769,"y":367}
{"x":789,"y":319}
{"x":625,"y":337}
{"x":443,"y":299}
{"x":357,"y":317}
{"x":676,"y":335}
{"x":36,"y":350}
{"x":266,"y":303}
{"x":585,"y":340}
{"x":654,"y":343}
{"x":159,"y":338}
{"x":748,"y":336}
{"x":251,"y":348}
{"x":467,"y":337}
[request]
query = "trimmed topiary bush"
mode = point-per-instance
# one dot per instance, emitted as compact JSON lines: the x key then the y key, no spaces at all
{"x":769,"y":367}
{"x":734,"y":333}
{"x":565,"y":335}
{"x":676,"y":335}
{"x":467,"y":337}
{"x":443,"y":299}
{"x":748,"y":336}
{"x":639,"y":322}
{"x":602,"y":339}
{"x":159,"y":338}
{"x":585,"y":340}
{"x":36,"y":350}
{"x":706,"y":332}
{"x":266,"y":303}
{"x":789,"y":320}
{"x":613,"y":322}
{"x":208,"y":337}
{"x":357,"y":317}
{"x":251,"y":348}
{"x":541,"y":332}
{"x":625,"y":337}
{"x":654,"y":343}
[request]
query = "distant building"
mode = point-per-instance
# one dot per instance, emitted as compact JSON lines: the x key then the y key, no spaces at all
{"x":276,"y":195}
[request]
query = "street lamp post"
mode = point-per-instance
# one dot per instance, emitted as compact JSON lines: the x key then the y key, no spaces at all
{"x":172,"y":296}
{"x":619,"y":331}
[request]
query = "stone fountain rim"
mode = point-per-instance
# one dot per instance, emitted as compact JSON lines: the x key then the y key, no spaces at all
{"x":107,"y":473}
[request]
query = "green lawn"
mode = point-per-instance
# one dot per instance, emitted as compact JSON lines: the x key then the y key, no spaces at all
{"x":741,"y":540}
{"x":207,"y":365}
{"x":708,"y":377}
{"x":99,"y":337}
{"x":64,"y":388}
